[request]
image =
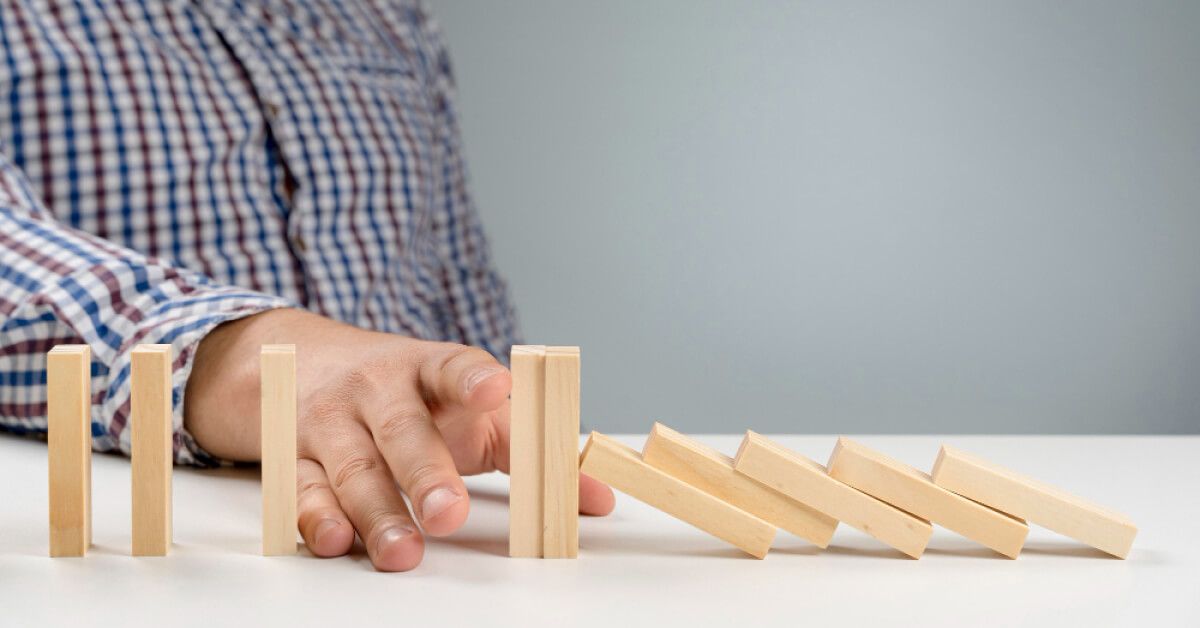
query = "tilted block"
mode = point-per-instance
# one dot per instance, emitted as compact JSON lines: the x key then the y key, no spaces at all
{"x":805,"y":480}
{"x":712,"y":472}
{"x":913,"y":491}
{"x":1044,"y":505}
{"x":69,"y":448}
{"x":623,"y":469}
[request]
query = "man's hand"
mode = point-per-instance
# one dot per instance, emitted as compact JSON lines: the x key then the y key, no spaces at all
{"x":379,"y":414}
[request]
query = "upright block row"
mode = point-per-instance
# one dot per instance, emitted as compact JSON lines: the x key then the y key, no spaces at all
{"x":69,"y":436}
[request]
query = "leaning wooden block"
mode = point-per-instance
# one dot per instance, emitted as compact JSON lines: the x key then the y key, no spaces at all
{"x":804,"y":480}
{"x":622,"y":468}
{"x":526,"y":450}
{"x":1039,"y":503}
{"x":712,"y":472}
{"x":69,"y":441}
{"x":560,"y":465}
{"x":913,"y":491}
{"x":277,"y":367}
{"x":151,"y":449}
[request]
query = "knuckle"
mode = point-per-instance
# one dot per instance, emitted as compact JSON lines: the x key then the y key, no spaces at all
{"x":421,"y":475}
{"x":352,"y":468}
{"x":402,"y":424}
{"x":311,"y":489}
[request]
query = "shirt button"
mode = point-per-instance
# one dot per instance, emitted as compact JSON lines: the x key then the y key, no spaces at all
{"x":301,"y":245}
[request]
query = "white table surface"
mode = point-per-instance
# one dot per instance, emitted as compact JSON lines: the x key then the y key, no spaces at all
{"x":636,"y":567}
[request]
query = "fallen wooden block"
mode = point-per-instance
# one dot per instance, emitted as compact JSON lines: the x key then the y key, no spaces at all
{"x":1039,"y":503}
{"x":69,"y":444}
{"x":560,"y":488}
{"x":526,"y":474}
{"x":712,"y":472}
{"x":151,"y":455}
{"x":623,"y":469}
{"x":805,"y":480}
{"x":277,"y":366}
{"x":913,"y":491}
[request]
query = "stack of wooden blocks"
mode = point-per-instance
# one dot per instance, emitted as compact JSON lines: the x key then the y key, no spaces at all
{"x":744,"y":499}
{"x":69,"y":435}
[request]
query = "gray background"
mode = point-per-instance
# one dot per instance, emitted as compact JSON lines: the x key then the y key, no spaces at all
{"x":848,"y":217}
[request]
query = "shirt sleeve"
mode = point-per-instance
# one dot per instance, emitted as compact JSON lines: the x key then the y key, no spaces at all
{"x":62,"y":286}
{"x":480,"y":311}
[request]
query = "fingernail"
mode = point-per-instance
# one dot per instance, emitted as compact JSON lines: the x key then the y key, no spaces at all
{"x":389,"y":537}
{"x":437,"y":502}
{"x":324,"y":527}
{"x":480,"y":375}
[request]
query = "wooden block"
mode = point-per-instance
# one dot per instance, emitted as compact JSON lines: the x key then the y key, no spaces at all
{"x":526,"y":449}
{"x":278,"y":374}
{"x":712,"y":472}
{"x":623,"y":469}
{"x":1039,"y":503}
{"x":560,"y":488}
{"x":151,"y":456}
{"x":804,"y":480}
{"x":913,"y":491}
{"x":69,"y":440}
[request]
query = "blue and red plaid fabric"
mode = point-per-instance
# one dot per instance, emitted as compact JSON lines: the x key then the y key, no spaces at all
{"x":166,"y":166}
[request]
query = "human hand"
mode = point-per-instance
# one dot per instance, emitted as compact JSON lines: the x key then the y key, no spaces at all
{"x":379,"y":414}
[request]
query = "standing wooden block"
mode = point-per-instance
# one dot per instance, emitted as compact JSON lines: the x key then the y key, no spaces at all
{"x":804,"y":480}
{"x":913,"y":491}
{"x":526,"y":450}
{"x":151,"y":455}
{"x":69,"y":436}
{"x":622,"y":468}
{"x":1039,"y":503}
{"x":712,"y":472}
{"x":278,"y":373}
{"x":560,"y":537}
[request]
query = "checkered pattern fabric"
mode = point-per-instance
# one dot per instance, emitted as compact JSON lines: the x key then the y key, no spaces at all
{"x":166,"y":166}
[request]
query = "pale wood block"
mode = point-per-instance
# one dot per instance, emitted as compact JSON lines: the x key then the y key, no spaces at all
{"x":623,"y":469}
{"x":560,"y":488}
{"x":278,"y":376}
{"x":526,"y":451}
{"x":151,"y":436}
{"x":913,"y":491}
{"x":1034,"y":501}
{"x":712,"y":472}
{"x":69,"y":445}
{"x":805,"y":480}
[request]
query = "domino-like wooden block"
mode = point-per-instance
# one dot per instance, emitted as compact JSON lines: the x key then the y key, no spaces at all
{"x":1044,"y":505}
{"x":560,"y":537}
{"x":69,"y":440}
{"x":151,"y":450}
{"x":278,"y":375}
{"x":913,"y":491}
{"x":805,"y":480}
{"x":623,"y":469}
{"x":712,"y":472}
{"x":526,"y":451}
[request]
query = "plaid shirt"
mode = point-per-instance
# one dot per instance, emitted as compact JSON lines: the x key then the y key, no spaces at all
{"x":166,"y":166}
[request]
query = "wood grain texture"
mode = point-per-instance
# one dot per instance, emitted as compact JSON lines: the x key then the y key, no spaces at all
{"x":712,"y":472}
{"x":623,"y":469}
{"x":151,"y":433}
{"x":69,"y":445}
{"x":526,"y":451}
{"x":1034,"y":501}
{"x":805,"y":480}
{"x":913,"y":491}
{"x":278,"y":376}
{"x":560,"y":463}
